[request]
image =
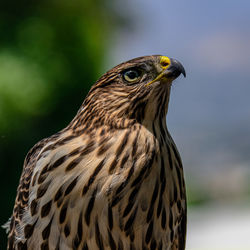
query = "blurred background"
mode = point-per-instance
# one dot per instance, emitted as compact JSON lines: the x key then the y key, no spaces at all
{"x":51,"y":52}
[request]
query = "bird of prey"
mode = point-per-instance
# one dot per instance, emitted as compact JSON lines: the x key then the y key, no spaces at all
{"x":113,"y":178}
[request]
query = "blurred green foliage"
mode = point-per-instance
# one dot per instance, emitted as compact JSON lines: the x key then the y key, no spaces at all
{"x":50,"y":54}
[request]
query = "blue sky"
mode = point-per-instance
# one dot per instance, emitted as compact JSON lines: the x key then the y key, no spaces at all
{"x":209,"y":113}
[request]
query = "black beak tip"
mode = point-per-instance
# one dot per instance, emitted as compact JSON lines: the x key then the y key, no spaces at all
{"x":184,"y":72}
{"x":178,"y":66}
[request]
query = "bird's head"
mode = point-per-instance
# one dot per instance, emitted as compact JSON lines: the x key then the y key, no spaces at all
{"x":137,"y":89}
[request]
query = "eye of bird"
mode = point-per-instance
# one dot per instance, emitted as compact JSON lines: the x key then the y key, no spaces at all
{"x":132,"y":75}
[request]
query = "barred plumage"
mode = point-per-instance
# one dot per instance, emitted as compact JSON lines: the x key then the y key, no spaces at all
{"x":113,"y":178}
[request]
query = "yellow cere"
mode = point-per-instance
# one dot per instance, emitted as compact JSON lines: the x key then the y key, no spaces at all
{"x":165,"y":63}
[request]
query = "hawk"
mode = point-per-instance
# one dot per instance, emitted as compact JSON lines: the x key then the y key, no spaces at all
{"x":113,"y":178}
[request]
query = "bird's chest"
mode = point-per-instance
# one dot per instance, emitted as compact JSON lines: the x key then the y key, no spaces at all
{"x":130,"y":197}
{"x":151,"y":210}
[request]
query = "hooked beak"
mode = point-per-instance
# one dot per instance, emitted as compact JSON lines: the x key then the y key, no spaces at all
{"x":171,"y":72}
{"x":175,"y":69}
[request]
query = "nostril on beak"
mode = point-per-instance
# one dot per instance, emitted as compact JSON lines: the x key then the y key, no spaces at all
{"x":165,"y":62}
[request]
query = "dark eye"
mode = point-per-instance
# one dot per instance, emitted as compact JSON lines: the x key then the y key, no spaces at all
{"x":132,"y":75}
